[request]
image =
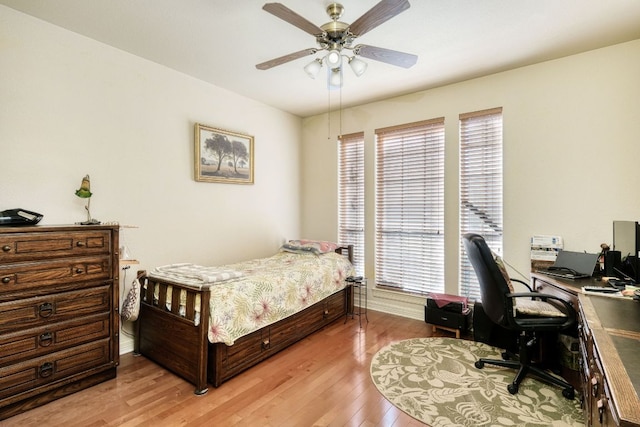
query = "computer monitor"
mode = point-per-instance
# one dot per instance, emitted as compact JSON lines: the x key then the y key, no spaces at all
{"x":626,"y":240}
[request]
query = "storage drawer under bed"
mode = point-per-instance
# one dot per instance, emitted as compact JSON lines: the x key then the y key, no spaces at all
{"x":256,"y":346}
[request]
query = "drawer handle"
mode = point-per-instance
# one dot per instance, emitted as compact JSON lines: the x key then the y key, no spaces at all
{"x":79,"y":270}
{"x":46,"y":339}
{"x":46,"y":370}
{"x":6,"y":279}
{"x":45,"y":310}
{"x":6,"y":248}
{"x":266,"y":344}
{"x":80,"y":244}
{"x":601,"y":408}
{"x":594,"y":386}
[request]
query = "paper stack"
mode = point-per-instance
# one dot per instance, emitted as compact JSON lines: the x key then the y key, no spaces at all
{"x":544,"y":250}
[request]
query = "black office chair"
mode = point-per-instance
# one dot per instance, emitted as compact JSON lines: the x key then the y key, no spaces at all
{"x":534,"y":314}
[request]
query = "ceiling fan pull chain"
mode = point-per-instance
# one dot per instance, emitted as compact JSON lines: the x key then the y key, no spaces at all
{"x":340,"y":133}
{"x":328,"y":115}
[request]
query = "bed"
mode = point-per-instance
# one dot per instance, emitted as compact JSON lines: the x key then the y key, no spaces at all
{"x":208,"y":324}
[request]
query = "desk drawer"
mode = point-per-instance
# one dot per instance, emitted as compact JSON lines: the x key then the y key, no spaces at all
{"x":47,"y":310}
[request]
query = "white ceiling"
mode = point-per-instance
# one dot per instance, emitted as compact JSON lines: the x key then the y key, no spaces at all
{"x":220,"y":41}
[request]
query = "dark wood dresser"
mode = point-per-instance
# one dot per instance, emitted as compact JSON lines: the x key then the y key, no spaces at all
{"x":59,"y":317}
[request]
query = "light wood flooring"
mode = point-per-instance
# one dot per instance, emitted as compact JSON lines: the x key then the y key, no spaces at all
{"x":322,"y":380}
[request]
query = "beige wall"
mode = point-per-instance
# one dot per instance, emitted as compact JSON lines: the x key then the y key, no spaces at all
{"x":70,"y":106}
{"x":571,"y":155}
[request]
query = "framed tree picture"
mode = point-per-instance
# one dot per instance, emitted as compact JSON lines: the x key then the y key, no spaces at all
{"x":223,"y":156}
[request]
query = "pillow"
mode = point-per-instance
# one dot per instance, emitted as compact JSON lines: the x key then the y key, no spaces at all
{"x":503,"y":270}
{"x":317,"y":247}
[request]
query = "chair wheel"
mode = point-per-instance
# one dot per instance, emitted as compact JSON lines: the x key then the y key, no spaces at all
{"x":479,"y":364}
{"x":569,"y":393}
{"x":512,"y":388}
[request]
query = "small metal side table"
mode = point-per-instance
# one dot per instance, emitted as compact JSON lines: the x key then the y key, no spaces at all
{"x":359,"y":294}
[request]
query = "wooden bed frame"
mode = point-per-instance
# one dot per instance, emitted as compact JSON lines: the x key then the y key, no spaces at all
{"x":177,"y":343}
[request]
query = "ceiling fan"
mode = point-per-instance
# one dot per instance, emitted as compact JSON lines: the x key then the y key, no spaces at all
{"x":335,"y":37}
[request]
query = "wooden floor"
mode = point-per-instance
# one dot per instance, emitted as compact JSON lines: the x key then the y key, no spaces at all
{"x":322,"y":380}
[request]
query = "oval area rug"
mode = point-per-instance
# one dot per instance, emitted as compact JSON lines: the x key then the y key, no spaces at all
{"x":435,"y":381}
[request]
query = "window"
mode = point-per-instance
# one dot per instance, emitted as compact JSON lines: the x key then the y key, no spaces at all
{"x":409,"y":252}
{"x":351,"y":196}
{"x":480,"y":187}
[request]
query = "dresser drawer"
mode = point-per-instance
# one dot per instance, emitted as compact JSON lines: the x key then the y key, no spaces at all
{"x":44,"y":370}
{"x":47,"y":310}
{"x":31,"y":246}
{"x":31,"y":279}
{"x":36,"y":342}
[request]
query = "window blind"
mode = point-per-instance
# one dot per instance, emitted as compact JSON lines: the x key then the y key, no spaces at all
{"x":409,"y":253}
{"x":351,"y":196}
{"x":480,"y":187}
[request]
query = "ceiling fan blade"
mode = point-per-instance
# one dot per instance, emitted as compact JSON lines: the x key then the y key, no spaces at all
{"x":393,"y":57}
{"x":288,"y":15}
{"x":286,"y":58}
{"x":377,"y":15}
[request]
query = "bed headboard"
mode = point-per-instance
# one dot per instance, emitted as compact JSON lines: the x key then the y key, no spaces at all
{"x":349,"y":251}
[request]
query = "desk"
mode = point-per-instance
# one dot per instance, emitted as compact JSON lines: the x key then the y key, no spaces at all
{"x":609,"y":334}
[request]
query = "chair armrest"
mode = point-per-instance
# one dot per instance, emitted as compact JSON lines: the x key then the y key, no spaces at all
{"x":524,"y":283}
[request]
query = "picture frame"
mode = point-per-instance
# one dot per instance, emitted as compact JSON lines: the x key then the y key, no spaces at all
{"x":223,"y":156}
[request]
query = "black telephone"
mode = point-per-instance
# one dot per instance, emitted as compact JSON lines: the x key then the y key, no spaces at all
{"x":19,"y":217}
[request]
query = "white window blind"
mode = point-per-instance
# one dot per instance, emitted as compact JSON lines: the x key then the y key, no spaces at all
{"x":351,"y":196}
{"x":409,"y":252}
{"x":480,"y":187}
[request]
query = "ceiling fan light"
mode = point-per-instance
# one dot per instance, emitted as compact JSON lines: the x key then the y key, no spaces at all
{"x":313,"y":68}
{"x":333,"y":58}
{"x":358,"y":66}
{"x":334,"y":80}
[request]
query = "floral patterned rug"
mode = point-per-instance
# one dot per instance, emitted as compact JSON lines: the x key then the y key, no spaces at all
{"x":435,"y":381}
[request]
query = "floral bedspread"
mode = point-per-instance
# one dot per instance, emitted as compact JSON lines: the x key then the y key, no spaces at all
{"x":271,"y":289}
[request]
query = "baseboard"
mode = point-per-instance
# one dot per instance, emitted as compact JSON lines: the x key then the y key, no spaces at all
{"x":126,"y":344}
